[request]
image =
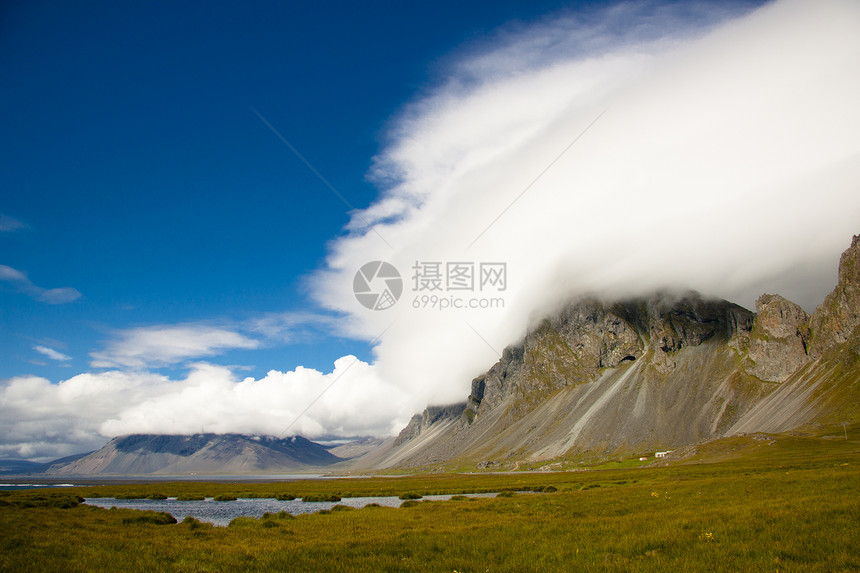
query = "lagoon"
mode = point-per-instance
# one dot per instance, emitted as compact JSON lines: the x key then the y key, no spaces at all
{"x":222,"y":512}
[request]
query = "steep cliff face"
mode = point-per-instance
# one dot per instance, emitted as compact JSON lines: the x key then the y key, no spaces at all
{"x":653,"y":373}
{"x":430,"y":416}
{"x":836,"y":318}
{"x":587,"y":337}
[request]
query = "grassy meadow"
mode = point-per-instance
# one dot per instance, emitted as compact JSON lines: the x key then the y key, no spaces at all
{"x":784,"y":504}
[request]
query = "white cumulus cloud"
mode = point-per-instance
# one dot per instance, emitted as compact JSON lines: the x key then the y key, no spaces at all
{"x":43,"y":421}
{"x":9,"y":224}
{"x":343,"y":402}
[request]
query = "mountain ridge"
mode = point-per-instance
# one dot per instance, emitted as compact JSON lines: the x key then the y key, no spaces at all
{"x":659,"y":372}
{"x":159,"y":454}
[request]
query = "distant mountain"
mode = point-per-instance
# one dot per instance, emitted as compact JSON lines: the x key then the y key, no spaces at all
{"x":142,"y":454}
{"x":602,"y":378}
{"x":24,"y":467}
{"x":355,"y":447}
{"x":20,"y":467}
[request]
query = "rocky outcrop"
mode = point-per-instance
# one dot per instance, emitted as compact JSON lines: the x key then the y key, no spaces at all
{"x":836,"y":318}
{"x":586,"y":337}
{"x":430,"y":416}
{"x":778,"y":341}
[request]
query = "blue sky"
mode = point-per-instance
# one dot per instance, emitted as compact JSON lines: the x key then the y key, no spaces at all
{"x":169,"y":265}
{"x":142,"y":178}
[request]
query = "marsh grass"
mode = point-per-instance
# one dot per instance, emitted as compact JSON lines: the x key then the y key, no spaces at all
{"x":153,"y":517}
{"x":321,"y":497}
{"x":792,"y":506}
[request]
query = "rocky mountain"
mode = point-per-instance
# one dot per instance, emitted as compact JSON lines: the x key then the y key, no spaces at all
{"x":646,"y":374}
{"x":141,"y":454}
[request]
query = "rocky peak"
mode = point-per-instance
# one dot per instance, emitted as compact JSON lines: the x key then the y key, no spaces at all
{"x":598,"y":336}
{"x":674,"y":323}
{"x":834,"y":320}
{"x":589,"y":335}
{"x":690,"y":320}
{"x":778,"y":340}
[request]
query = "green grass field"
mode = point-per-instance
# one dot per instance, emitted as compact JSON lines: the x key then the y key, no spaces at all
{"x":791,"y":505}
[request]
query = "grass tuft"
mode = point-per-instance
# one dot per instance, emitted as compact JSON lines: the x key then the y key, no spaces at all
{"x":153,"y":517}
{"x":321,"y":497}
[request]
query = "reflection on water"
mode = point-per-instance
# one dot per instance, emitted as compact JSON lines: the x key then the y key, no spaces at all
{"x":221,"y":512}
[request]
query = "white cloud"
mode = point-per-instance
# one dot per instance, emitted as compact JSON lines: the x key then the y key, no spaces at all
{"x":44,"y":421}
{"x":60,"y":295}
{"x":344,"y":402}
{"x":162,"y":345}
{"x":12,"y":275}
{"x":40,"y":420}
{"x":727,"y":163}
{"x":8,"y":224}
{"x":52,"y":354}
{"x":290,"y":327}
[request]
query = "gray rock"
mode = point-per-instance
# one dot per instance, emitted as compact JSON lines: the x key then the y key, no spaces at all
{"x":430,"y":416}
{"x":778,"y":340}
{"x":835,"y":319}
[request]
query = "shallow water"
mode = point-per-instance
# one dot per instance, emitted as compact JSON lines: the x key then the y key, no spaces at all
{"x":222,"y":512}
{"x":16,"y":486}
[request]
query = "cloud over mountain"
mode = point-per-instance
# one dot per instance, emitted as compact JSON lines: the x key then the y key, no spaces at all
{"x":625,"y":150}
{"x":42,"y":420}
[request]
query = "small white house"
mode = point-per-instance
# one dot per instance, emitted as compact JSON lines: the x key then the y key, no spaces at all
{"x":643,"y":458}
{"x":662,"y":454}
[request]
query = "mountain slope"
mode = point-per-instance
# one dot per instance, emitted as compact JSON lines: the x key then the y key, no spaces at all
{"x":648,"y":374}
{"x":141,"y":454}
